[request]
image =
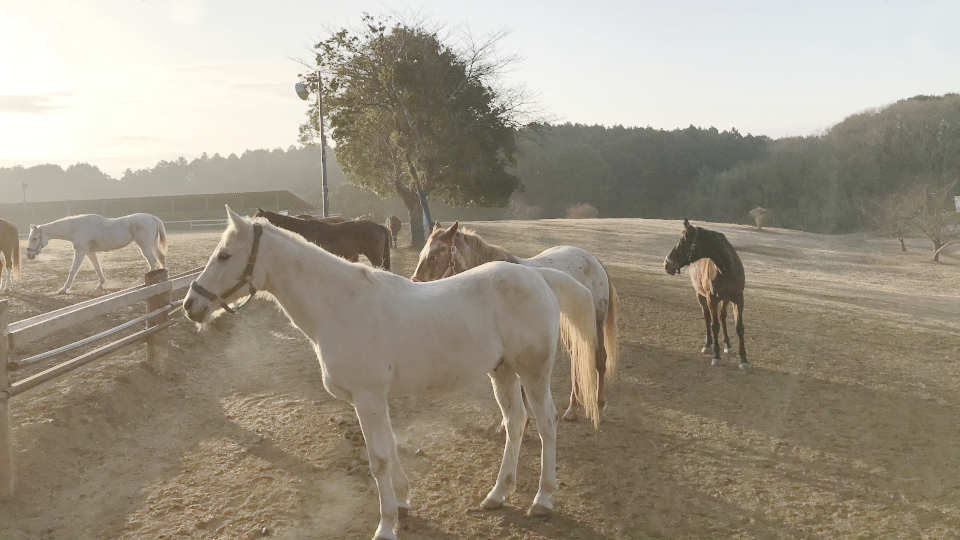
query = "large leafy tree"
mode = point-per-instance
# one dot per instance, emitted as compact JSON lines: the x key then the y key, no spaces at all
{"x":413,"y":115}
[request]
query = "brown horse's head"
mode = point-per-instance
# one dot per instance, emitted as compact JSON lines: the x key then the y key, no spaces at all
{"x":685,"y":252}
{"x":439,"y":257}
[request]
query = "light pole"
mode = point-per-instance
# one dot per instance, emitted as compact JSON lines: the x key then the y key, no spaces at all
{"x":304,"y":94}
{"x":23,"y":204}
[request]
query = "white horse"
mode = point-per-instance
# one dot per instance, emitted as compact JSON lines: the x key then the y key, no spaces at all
{"x":377,"y":333}
{"x":91,"y":233}
{"x":455,"y":249}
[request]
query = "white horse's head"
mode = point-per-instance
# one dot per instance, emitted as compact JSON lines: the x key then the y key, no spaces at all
{"x":231,"y":271}
{"x":439,"y":257}
{"x":36,"y":242}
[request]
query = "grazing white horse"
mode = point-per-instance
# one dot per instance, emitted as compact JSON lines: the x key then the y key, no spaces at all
{"x":377,"y":333}
{"x":91,"y":233}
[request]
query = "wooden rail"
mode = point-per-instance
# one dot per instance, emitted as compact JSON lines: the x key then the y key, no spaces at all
{"x":156,"y":292}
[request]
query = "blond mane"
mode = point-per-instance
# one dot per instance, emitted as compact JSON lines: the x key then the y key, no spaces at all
{"x":481,"y":251}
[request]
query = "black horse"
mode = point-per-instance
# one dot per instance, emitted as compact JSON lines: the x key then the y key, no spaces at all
{"x":717,"y":275}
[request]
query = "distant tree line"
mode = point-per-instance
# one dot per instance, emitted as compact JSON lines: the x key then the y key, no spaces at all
{"x":834,"y":182}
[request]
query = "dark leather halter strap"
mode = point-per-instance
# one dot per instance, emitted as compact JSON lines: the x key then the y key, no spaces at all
{"x":452,"y":264}
{"x":245,"y":278}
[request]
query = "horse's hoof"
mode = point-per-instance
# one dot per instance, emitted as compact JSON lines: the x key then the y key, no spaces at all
{"x":491,"y":504}
{"x":715,"y":362}
{"x":726,"y":349}
{"x":540,"y":511}
{"x":62,"y":291}
{"x":570,"y":415}
{"x":744,"y":364}
{"x":706,"y":349}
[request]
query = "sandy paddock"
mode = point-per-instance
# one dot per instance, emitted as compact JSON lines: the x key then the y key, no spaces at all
{"x":846,"y":425}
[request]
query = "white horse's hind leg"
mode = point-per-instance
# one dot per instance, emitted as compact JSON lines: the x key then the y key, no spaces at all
{"x":78,"y":256}
{"x":374,"y":416}
{"x":506,"y":388}
{"x":147,"y":252}
{"x":401,"y":484}
{"x":96,"y":266}
{"x":545,"y":415}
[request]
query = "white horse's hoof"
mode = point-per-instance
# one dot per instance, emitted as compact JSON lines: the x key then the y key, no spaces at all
{"x":726,"y":349}
{"x":715,"y":362}
{"x":491,"y":504}
{"x":744,"y":365}
{"x":62,"y":291}
{"x":706,"y":350}
{"x":538,"y":510}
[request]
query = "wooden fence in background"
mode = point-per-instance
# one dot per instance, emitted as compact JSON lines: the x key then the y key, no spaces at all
{"x":157,"y":292}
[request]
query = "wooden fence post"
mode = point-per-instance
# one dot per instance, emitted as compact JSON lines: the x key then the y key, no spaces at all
{"x":157,"y":346}
{"x":6,"y":435}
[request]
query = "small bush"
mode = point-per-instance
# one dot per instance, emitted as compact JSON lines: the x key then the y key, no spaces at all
{"x":583,"y":211}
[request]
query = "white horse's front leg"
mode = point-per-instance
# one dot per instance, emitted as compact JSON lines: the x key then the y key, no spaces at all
{"x":374,"y":416}
{"x":78,"y":256}
{"x":96,"y":266}
{"x":506,"y":388}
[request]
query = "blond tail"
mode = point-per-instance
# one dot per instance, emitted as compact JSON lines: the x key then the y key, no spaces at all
{"x":16,"y":261}
{"x":162,"y":243}
{"x":611,"y":342}
{"x":578,"y":329}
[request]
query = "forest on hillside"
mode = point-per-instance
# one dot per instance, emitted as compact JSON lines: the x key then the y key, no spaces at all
{"x":828,"y":182}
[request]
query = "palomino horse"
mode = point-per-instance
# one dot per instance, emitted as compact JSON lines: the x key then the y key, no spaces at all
{"x":348,"y":240}
{"x":376,"y":334}
{"x":394,"y":224}
{"x":10,"y":249}
{"x":718,"y":277}
{"x":91,"y":233}
{"x":452,"y":250}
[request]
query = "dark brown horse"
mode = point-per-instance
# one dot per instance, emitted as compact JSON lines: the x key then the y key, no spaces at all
{"x":717,"y":275}
{"x":321,"y":219}
{"x":10,"y":248}
{"x":348,"y":240}
{"x":394,"y":224}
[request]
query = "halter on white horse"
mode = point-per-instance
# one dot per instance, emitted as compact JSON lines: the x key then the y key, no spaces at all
{"x":245,"y":279}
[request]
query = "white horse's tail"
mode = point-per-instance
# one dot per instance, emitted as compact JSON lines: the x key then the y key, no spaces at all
{"x":161,"y":243}
{"x":578,"y":328}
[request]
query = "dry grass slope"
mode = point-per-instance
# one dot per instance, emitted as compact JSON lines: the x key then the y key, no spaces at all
{"x":845,"y":426}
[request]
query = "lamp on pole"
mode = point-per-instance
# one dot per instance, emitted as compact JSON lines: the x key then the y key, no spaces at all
{"x":304,"y":93}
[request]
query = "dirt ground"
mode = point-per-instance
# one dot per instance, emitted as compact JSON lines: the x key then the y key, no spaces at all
{"x":845,"y":426}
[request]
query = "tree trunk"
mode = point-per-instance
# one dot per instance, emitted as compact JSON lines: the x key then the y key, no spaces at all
{"x":414,"y":211}
{"x":425,"y":206}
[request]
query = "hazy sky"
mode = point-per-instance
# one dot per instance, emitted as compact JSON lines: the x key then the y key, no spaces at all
{"x":125,"y":83}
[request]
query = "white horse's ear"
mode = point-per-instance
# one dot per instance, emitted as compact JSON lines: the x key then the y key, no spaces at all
{"x":234,"y":219}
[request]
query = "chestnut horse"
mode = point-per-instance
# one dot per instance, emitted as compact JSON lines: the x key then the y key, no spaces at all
{"x":10,"y":249}
{"x":348,"y":240}
{"x":718,"y":278}
{"x":454,"y":249}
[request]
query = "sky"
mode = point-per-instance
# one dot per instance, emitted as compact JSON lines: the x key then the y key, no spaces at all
{"x":126,"y":83}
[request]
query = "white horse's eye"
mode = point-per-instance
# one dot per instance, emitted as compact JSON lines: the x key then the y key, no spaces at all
{"x":223,"y":255}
